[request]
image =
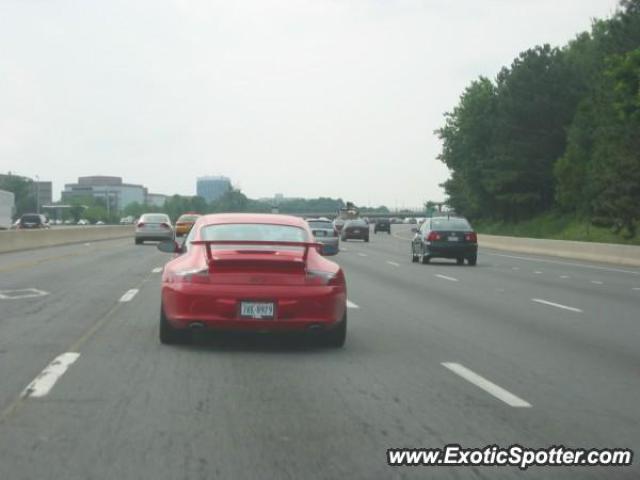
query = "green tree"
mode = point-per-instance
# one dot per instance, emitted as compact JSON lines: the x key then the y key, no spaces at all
{"x":22,"y":189}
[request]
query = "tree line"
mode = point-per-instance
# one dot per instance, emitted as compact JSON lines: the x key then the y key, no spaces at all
{"x":558,"y":129}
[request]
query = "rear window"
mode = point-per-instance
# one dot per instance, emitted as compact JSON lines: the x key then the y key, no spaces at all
{"x":253,"y":231}
{"x":356,"y":223}
{"x":31,"y":219}
{"x":326,"y":225}
{"x":188,"y":218}
{"x":450,"y":224}
{"x":154,"y":218}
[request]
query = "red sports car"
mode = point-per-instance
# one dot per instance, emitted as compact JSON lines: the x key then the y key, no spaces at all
{"x":251,"y":272}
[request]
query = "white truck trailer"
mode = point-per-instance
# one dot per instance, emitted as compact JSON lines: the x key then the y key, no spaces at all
{"x":6,"y":209}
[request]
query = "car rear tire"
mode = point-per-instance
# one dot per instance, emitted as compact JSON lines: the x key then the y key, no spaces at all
{"x":472,"y":260}
{"x":460,"y":260}
{"x":138,"y":241}
{"x":424,"y":259}
{"x":366,"y":239}
{"x":336,"y":337}
{"x":170,"y":335}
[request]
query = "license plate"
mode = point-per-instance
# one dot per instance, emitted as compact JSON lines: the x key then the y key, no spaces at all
{"x":453,"y":239}
{"x":256,"y":310}
{"x":356,"y":231}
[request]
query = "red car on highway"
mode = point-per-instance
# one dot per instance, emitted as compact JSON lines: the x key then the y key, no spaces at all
{"x":252,"y":272}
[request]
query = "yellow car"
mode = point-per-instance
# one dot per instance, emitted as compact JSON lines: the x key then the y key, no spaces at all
{"x":185,"y":222}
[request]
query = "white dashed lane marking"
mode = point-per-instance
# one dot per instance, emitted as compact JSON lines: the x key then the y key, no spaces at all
{"x":44,"y":382}
{"x":350,"y":304}
{"x":362,"y":254}
{"x":444,"y":277}
{"x":157,"y":270}
{"x":393,"y":263}
{"x":557,"y":305}
{"x":489,"y":387}
{"x":22,"y":293}
{"x":597,"y":282}
{"x":129,"y":295}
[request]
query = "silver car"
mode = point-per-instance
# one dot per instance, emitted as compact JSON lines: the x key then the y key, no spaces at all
{"x":326,"y":234}
{"x":154,"y":226}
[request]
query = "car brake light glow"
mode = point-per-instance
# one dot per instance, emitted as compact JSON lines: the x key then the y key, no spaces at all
{"x":165,"y":225}
{"x":141,"y":224}
{"x":433,"y":237}
{"x":471,"y":237}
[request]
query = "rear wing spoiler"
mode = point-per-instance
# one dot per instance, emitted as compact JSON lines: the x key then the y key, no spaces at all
{"x":208,"y":243}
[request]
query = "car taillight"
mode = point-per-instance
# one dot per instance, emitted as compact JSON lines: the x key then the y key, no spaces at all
{"x":471,"y":237}
{"x":433,"y":237}
{"x":196,"y":275}
{"x":141,"y":224}
{"x":328,"y":278}
{"x":165,"y":225}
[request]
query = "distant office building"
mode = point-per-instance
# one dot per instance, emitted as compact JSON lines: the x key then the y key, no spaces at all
{"x":156,"y":199}
{"x":212,"y":188}
{"x":43,"y":193}
{"x":116,"y":194}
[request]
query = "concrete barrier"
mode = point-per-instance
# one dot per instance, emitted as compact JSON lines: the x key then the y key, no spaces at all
{"x":14,"y":240}
{"x":628,"y":255}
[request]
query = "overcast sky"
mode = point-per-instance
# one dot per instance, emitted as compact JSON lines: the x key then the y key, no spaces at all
{"x":302,"y":97}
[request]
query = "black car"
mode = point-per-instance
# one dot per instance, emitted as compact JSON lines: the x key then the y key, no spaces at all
{"x":445,"y":237}
{"x":355,"y":229}
{"x":382,"y":225}
{"x":32,"y":220}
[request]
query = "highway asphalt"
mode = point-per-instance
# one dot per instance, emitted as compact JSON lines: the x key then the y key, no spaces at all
{"x":557,"y":340}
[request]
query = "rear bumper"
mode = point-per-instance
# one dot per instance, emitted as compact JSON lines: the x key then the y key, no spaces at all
{"x":451,"y":251}
{"x":386,"y":228}
{"x":358,"y":236}
{"x":154,"y":236}
{"x":218,"y":306}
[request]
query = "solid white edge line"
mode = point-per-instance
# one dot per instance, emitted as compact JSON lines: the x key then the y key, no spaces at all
{"x":444,"y":277}
{"x":350,"y":304}
{"x":489,"y":387}
{"x":128,"y":295}
{"x":393,"y":263}
{"x":558,"y":262}
{"x":557,"y":305}
{"x":44,"y":382}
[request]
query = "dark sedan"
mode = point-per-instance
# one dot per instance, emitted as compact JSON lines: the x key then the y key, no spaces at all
{"x":382,"y":225}
{"x":356,"y":229}
{"x":32,"y":220}
{"x":445,"y":237}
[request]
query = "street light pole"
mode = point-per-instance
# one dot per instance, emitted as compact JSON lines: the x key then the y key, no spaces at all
{"x":37,"y":194}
